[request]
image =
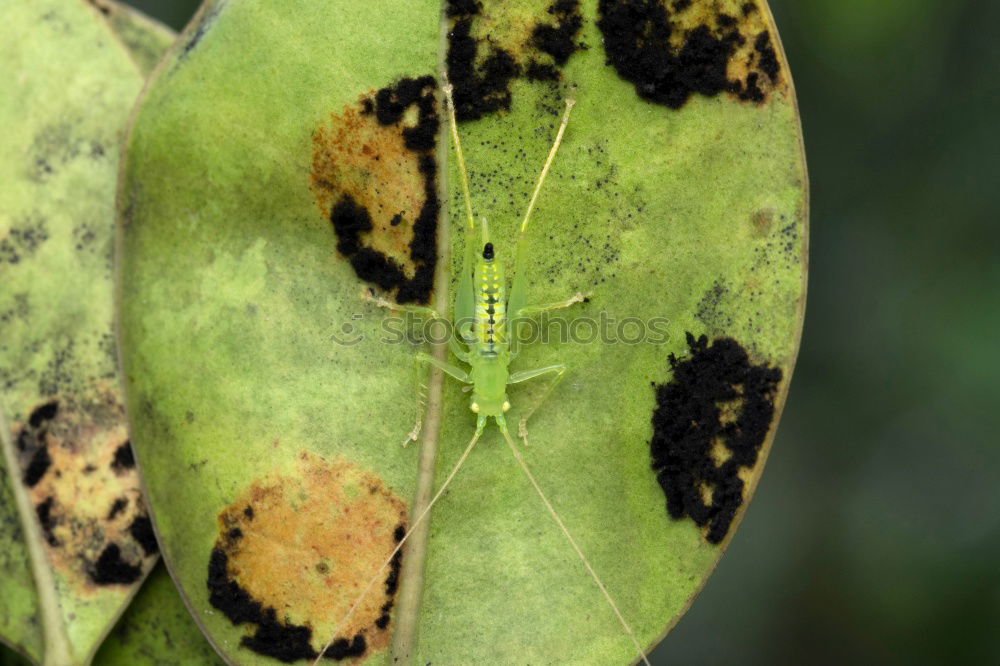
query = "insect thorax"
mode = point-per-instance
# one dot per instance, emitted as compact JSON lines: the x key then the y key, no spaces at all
{"x":491,"y":308}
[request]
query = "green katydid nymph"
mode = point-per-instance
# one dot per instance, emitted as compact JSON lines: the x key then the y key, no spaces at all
{"x":485,"y":324}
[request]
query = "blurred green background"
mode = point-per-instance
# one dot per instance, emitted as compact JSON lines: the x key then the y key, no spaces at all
{"x":875,"y":535}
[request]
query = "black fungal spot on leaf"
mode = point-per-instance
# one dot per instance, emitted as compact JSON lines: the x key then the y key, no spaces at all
{"x":31,"y":442}
{"x":274,"y":638}
{"x":45,"y":520}
{"x":111,"y":568}
{"x":43,"y":413}
{"x":671,"y":51}
{"x":558,"y":40}
{"x":710,"y":422}
{"x":39,"y":464}
{"x":481,"y":70}
{"x":124,"y":458}
{"x":351,"y":213}
{"x":141,"y":530}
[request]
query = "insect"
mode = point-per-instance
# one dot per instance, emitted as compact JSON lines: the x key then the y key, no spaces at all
{"x":485,"y":319}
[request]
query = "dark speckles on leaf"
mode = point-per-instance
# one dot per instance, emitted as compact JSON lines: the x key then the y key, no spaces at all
{"x":712,"y":311}
{"x":23,"y":239}
{"x":55,"y":146}
{"x":59,"y":374}
{"x":84,"y":237}
{"x":710,"y":422}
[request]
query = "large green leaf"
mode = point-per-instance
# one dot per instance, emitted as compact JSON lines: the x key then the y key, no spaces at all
{"x":72,"y":510}
{"x":267,"y":409}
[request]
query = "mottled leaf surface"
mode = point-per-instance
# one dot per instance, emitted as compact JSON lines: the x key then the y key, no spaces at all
{"x":72,"y":506}
{"x":280,"y":165}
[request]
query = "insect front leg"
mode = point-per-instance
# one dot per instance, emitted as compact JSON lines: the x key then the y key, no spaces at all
{"x":422,"y":310}
{"x":559,"y":369}
{"x":421,"y":359}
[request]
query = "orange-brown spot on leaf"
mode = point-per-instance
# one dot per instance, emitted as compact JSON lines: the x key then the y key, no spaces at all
{"x":374,"y":177}
{"x":356,"y":156}
{"x":294,"y":553}
{"x":761,"y":221}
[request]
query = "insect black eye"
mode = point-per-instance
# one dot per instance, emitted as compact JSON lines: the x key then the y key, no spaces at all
{"x":488,"y":251}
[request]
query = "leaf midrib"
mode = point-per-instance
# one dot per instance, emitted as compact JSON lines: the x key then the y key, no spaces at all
{"x":412,"y":575}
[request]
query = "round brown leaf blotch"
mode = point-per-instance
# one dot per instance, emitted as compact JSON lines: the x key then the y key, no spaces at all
{"x":296,"y":550}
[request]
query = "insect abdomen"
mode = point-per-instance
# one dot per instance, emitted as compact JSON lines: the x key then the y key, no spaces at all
{"x":491,"y":307}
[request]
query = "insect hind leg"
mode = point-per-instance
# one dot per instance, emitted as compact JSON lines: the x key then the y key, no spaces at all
{"x":421,"y":359}
{"x":559,"y":369}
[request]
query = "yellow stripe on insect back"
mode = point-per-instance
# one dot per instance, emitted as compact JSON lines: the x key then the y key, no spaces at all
{"x":491,"y":307}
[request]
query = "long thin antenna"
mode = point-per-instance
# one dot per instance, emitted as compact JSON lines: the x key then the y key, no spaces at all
{"x":458,"y":151}
{"x":545,"y":169}
{"x":572,"y":541}
{"x":399,"y":546}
